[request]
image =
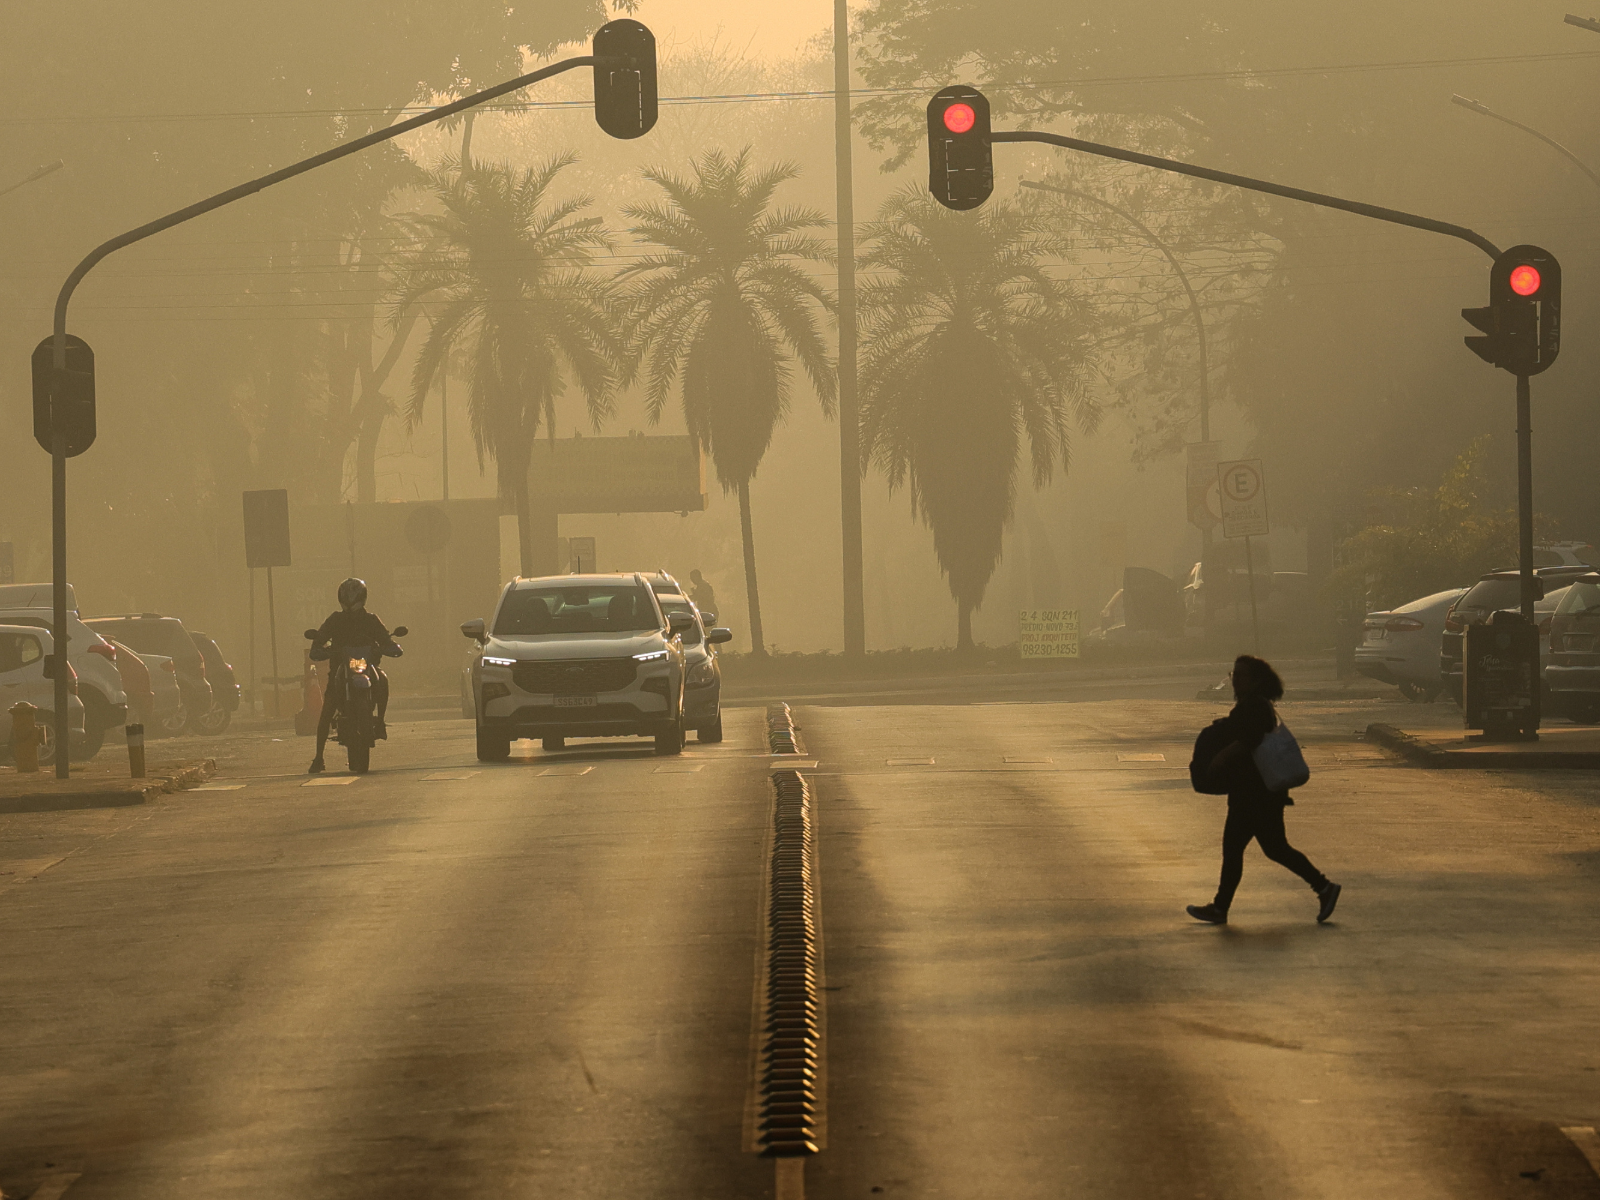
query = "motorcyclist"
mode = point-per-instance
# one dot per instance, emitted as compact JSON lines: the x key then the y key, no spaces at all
{"x":353,"y":625}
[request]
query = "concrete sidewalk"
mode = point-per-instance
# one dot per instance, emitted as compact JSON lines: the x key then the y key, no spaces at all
{"x":1560,"y":747}
{"x":97,"y":785}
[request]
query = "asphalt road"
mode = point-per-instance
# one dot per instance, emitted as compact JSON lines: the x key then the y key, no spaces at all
{"x":451,"y":979}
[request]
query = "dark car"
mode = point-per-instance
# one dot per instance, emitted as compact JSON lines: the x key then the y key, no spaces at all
{"x":1573,"y":676}
{"x":1496,"y":591}
{"x":151,"y":633}
{"x":224,"y":685}
{"x":702,"y":684}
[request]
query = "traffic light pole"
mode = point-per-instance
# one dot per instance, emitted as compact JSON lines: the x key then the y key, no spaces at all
{"x":58,"y":479}
{"x":1525,"y":495}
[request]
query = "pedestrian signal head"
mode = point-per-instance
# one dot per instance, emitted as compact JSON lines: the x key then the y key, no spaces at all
{"x":960,"y":161}
{"x":625,"y":78}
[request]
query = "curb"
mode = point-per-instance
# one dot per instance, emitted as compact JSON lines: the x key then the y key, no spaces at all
{"x":125,"y":794}
{"x":1425,"y":754}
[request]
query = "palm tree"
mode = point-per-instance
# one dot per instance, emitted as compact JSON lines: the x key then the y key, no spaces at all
{"x":721,"y":312}
{"x":506,"y":276}
{"x":968,"y":347}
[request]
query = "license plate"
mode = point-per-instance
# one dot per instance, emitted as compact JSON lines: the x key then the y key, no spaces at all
{"x":576,"y":701}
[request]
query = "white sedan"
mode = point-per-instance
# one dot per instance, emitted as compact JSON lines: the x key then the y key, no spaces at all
{"x":1402,"y":646}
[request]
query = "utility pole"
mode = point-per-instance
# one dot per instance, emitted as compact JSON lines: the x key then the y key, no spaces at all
{"x":855,"y":622}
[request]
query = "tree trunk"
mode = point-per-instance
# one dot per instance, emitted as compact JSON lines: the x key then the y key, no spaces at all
{"x":369,"y":428}
{"x":758,"y":645}
{"x":519,"y":493}
{"x":964,"y":626}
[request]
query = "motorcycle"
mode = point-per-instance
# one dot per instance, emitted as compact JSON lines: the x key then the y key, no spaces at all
{"x":351,"y":690}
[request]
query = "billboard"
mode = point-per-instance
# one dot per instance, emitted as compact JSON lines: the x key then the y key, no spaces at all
{"x":616,"y":475}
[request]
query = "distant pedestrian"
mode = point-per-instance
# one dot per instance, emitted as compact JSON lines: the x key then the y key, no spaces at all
{"x":700,"y":592}
{"x":1225,"y":761}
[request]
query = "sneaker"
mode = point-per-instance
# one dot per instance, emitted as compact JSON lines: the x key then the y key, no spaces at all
{"x":317,"y":767}
{"x":1209,"y":913}
{"x":1329,"y":895}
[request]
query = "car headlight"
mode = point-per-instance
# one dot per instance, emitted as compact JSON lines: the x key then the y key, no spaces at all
{"x":498,"y":662}
{"x":652,"y":656}
{"x":702,"y":675}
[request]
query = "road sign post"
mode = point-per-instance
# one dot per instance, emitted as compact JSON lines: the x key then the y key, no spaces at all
{"x":1243,"y":492}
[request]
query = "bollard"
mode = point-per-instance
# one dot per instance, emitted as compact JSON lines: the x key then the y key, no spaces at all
{"x":135,"y":735}
{"x":24,"y":737}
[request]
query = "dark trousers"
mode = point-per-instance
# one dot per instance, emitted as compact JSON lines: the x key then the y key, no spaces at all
{"x":1262,"y":822}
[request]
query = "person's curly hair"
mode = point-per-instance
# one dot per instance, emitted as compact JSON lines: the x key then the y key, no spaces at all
{"x":1259,"y":675}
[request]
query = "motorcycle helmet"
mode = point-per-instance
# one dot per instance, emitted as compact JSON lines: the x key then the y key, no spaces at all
{"x":352,"y":593}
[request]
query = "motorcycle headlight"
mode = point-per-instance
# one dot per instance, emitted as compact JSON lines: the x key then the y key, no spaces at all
{"x":358,"y":665}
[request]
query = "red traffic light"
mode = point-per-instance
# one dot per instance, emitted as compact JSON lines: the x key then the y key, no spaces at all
{"x":1525,"y":280}
{"x":959,"y":118}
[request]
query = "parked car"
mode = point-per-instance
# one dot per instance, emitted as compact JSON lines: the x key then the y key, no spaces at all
{"x":23,"y":679}
{"x":100,"y":689}
{"x":151,"y":633}
{"x":578,"y":656}
{"x":1496,"y":591}
{"x":34,"y":595}
{"x":1401,"y":646}
{"x":662,"y":584}
{"x":702,"y":686}
{"x":171,"y":717}
{"x":1566,"y":554}
{"x":1573,"y":674}
{"x":135,"y":673}
{"x":224,"y":685}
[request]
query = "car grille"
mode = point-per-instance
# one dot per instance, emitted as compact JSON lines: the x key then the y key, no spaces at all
{"x":574,"y":678}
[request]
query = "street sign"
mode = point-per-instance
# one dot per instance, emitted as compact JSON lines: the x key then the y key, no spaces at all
{"x":76,"y":400}
{"x":1243,"y":492}
{"x":266,"y":528}
{"x":581,"y":550}
{"x":1201,"y":490}
{"x":1048,"y":633}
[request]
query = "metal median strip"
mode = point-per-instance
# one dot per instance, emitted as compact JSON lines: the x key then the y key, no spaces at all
{"x":786,"y":1119}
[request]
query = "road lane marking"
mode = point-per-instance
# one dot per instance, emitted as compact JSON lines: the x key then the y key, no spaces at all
{"x":1028,"y":760}
{"x":330,"y":780}
{"x":1141,"y":758}
{"x":441,"y":776}
{"x":790,"y":1182}
{"x":791,"y":763}
{"x":679,"y":769}
{"x":909,"y":762}
{"x":217,"y":787}
{"x":55,"y":1186}
{"x":1587,"y":1142}
{"x":564,"y":771}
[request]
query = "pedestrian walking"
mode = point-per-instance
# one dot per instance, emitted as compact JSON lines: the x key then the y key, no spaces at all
{"x":1229,"y":757}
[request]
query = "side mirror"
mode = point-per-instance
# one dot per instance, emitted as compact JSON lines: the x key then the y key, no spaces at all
{"x":311,"y":635}
{"x":717,"y":636}
{"x":49,"y":666}
{"x":710,"y":618}
{"x":400,"y":631}
{"x":475,"y":629}
{"x":680,"y":622}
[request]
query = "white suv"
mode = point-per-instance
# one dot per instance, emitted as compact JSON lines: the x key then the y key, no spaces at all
{"x":578,"y":656}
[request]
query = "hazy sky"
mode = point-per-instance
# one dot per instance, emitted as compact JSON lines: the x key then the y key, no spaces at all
{"x":761,"y":28}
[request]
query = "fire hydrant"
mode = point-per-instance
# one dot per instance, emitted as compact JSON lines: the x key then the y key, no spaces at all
{"x":24,"y":737}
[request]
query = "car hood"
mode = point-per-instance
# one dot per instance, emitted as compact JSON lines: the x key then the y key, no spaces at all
{"x":576,"y":645}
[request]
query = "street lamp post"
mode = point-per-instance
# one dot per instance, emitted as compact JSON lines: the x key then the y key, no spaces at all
{"x":854,"y":608}
{"x":626,"y":81}
{"x":1485,"y":111}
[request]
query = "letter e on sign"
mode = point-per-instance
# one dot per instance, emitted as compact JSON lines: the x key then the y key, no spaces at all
{"x":1243,"y":491}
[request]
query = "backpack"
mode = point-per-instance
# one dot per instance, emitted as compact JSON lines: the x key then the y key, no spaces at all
{"x":1213,"y":739}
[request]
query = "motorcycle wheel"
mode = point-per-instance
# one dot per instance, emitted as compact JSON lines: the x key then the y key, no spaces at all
{"x":360,"y":759}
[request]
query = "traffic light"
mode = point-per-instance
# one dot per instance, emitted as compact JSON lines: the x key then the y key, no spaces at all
{"x":75,"y":402}
{"x":625,"y":78}
{"x":1522,"y":324}
{"x":960,"y":161}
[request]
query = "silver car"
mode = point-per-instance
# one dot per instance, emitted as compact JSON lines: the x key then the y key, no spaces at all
{"x":702,"y":689}
{"x":1401,"y":646}
{"x":24,"y":652}
{"x":578,"y":656}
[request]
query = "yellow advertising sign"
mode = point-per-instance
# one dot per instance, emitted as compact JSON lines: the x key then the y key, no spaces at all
{"x":1048,"y":633}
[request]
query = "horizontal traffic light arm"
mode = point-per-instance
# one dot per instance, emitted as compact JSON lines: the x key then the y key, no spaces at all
{"x":1391,"y":215}
{"x":342,"y":150}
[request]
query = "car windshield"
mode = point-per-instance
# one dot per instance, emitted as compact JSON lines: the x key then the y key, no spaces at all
{"x":1582,"y":603}
{"x":1490,"y":594}
{"x":672,"y":604}
{"x":620,"y":607}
